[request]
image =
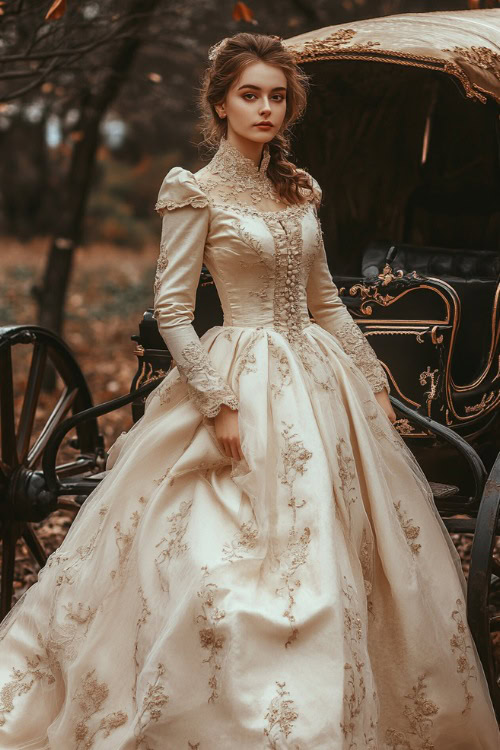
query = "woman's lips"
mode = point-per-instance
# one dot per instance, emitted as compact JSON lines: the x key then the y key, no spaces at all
{"x":264,"y":127}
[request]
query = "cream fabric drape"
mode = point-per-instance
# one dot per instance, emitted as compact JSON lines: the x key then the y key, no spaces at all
{"x":307,"y":597}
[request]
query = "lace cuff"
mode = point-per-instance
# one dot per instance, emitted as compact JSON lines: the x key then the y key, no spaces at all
{"x":184,"y":232}
{"x":354,"y":343}
{"x":330,"y":313}
{"x":206,"y":389}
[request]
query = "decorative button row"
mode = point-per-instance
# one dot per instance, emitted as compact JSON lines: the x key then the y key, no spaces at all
{"x":288,"y":288}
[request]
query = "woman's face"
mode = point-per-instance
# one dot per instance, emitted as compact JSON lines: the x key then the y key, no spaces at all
{"x":258,"y":95}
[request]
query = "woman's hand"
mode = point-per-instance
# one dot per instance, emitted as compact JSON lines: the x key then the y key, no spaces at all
{"x":227,"y":432}
{"x":383,"y":399}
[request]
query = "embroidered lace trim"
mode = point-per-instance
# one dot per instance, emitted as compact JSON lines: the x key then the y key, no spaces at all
{"x":290,"y":211}
{"x":210,"y":391}
{"x":231,"y":179}
{"x":197,"y":201}
{"x":354,"y":343}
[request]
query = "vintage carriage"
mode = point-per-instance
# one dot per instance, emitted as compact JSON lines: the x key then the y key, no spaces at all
{"x":406,"y":120}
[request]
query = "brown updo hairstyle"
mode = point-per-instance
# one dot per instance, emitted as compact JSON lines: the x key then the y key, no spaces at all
{"x":237,"y":52}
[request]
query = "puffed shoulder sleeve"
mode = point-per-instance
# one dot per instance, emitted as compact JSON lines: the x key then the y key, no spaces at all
{"x":328,"y":310}
{"x":178,"y":189}
{"x":184,"y":209}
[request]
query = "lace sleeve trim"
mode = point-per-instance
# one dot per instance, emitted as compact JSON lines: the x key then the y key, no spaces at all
{"x":354,"y":343}
{"x":210,"y":391}
{"x":197,"y":201}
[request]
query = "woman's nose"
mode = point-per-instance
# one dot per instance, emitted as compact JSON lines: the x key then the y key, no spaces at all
{"x":265,"y":106}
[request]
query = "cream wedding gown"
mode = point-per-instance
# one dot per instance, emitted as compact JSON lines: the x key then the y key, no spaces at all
{"x":307,"y":597}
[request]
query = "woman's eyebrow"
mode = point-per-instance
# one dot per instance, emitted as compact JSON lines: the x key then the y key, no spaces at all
{"x":257,"y":88}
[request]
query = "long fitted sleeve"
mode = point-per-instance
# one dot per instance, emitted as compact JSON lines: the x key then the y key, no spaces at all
{"x":328,"y":310}
{"x":185,"y":223}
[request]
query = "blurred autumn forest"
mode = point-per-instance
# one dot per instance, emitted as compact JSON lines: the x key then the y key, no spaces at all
{"x":97,"y":103}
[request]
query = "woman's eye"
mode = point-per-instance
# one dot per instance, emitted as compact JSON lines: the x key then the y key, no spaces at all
{"x":276,"y":97}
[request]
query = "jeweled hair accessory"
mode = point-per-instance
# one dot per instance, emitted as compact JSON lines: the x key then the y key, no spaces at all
{"x":216,"y":48}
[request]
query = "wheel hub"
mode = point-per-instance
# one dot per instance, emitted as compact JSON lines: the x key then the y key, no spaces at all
{"x":27,"y":498}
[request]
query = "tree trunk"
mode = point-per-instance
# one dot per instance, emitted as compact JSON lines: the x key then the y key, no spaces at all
{"x":74,"y":190}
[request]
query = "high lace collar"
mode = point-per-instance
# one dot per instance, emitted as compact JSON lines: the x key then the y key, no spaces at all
{"x":241,"y":173}
{"x":229,"y":159}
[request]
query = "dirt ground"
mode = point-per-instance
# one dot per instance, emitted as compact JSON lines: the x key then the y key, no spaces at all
{"x":109,"y":291}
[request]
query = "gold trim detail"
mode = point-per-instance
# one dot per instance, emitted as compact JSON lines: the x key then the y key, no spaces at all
{"x":388,"y":275}
{"x":370,"y":293}
{"x":398,"y":332}
{"x":335,"y":40}
{"x":482,"y":57}
{"x":388,"y":300}
{"x":147,"y":374}
{"x":495,"y":335}
{"x":403,"y":426}
{"x":485,"y":403}
{"x":435,"y":338}
{"x":425,"y":376}
{"x":316,"y":50}
{"x":498,"y":373}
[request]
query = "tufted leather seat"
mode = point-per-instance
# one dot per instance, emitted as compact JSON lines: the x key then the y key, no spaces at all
{"x":434,"y":261}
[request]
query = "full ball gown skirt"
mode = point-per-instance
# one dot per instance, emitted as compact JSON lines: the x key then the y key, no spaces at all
{"x":307,"y":597}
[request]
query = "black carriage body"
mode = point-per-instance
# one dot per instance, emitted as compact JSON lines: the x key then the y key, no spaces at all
{"x":406,"y":147}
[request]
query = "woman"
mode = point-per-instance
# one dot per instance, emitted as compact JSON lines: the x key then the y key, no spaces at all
{"x":263,"y":566}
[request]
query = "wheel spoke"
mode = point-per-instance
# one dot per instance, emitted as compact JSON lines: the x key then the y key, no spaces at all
{"x":10,"y":535}
{"x":34,"y":545}
{"x":30,"y":402}
{"x":60,"y":410}
{"x":9,"y":455}
{"x":73,"y":468}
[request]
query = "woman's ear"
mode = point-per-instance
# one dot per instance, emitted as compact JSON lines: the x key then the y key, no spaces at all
{"x":219,"y":108}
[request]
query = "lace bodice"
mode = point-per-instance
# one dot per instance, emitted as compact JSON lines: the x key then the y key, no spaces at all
{"x":267,"y":259}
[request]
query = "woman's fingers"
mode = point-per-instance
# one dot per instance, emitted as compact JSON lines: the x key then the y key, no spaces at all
{"x":232,"y":448}
{"x":227,"y":432}
{"x":235,"y":449}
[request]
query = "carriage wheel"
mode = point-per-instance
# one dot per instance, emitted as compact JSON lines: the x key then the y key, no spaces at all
{"x":483,"y":606}
{"x":28,"y":418}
